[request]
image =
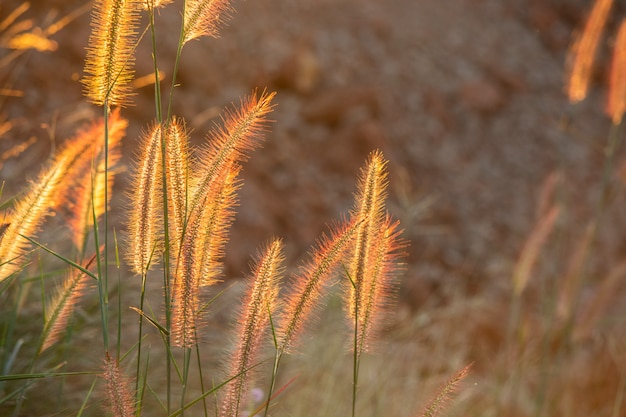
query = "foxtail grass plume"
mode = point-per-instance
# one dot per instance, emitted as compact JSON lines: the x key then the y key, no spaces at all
{"x":242,"y":132}
{"x":203,"y":17}
{"x":379,"y":284}
{"x":210,"y":207}
{"x":437,"y":404}
{"x":177,"y":160}
{"x":370,"y":209}
{"x":617,"y":90}
{"x":68,"y":172}
{"x":110,"y":51}
{"x":62,"y":305}
{"x":145,"y":221}
{"x":308,"y":285}
{"x":26,"y":217}
{"x":83,"y":187}
{"x":198,"y":260}
{"x":217,"y":217}
{"x":254,"y":322}
{"x":120,"y":400}
{"x":583,"y":51}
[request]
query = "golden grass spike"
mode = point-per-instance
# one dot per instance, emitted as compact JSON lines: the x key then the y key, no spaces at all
{"x":242,"y":132}
{"x":253,"y":322}
{"x":378,"y":286}
{"x":370,"y":207}
{"x":617,"y":90}
{"x":437,"y":404}
{"x":108,"y":67}
{"x":202,"y":17}
{"x":120,"y":398}
{"x":27,"y":216}
{"x":177,"y":161}
{"x":88,"y":171}
{"x":217,"y":217}
{"x":61,"y":307}
{"x":308,"y":285}
{"x":145,"y":221}
{"x":583,"y":51}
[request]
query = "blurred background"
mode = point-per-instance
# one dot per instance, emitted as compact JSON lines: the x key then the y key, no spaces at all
{"x":465,"y":98}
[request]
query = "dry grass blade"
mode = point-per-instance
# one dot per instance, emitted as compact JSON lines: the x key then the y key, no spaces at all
{"x":583,"y":51}
{"x":254,"y":319}
{"x":531,"y":250}
{"x":120,"y":399}
{"x":108,"y":67}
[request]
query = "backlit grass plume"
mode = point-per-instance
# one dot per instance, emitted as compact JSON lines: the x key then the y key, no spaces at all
{"x":202,"y":244}
{"x":308,"y":285}
{"x":177,"y":160}
{"x":26,"y":217}
{"x":202,"y":18}
{"x":110,"y":58}
{"x":370,"y":208}
{"x":63,"y":182}
{"x":145,"y":212}
{"x":380,"y":281}
{"x":583,"y":51}
{"x":209,"y":211}
{"x":62,"y":305}
{"x":120,"y":401}
{"x":444,"y":396}
{"x":83,"y":187}
{"x":254,"y":322}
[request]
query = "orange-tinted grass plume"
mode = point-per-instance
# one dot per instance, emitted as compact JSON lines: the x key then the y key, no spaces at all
{"x":177,"y":160}
{"x":83,"y":187}
{"x":309,"y":284}
{"x":110,"y":58}
{"x":145,"y":220}
{"x":583,"y":51}
{"x":380,"y":283}
{"x":203,"y":17}
{"x":374,"y":261}
{"x":120,"y":400}
{"x":26,"y":217}
{"x":260,"y":302}
{"x":616,"y":104}
{"x":242,"y":131}
{"x":437,"y":404}
{"x":200,"y":251}
{"x":369,"y":207}
{"x":62,"y":305}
